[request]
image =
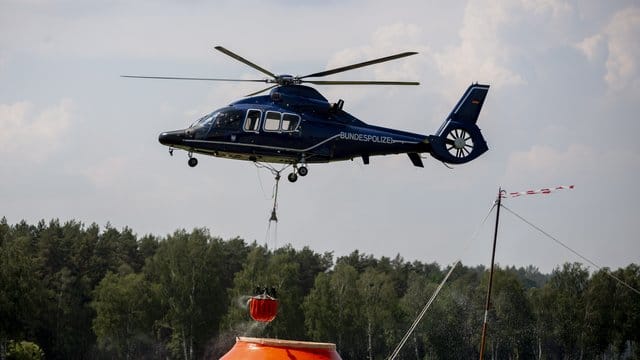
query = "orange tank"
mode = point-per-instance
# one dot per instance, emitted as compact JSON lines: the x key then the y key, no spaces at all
{"x":273,"y":349}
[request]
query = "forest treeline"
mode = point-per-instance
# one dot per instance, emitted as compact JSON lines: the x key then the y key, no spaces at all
{"x":85,"y":292}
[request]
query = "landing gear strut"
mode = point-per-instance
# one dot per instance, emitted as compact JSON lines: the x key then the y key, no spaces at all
{"x":302,"y":170}
{"x":192,"y":161}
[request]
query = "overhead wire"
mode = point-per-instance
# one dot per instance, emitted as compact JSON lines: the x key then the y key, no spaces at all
{"x":417,"y":320}
{"x":606,"y":271}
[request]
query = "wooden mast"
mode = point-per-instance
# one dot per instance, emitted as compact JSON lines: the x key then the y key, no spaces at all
{"x":493,"y":256}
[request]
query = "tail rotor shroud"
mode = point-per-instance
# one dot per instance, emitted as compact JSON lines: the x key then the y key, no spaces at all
{"x":459,"y":139}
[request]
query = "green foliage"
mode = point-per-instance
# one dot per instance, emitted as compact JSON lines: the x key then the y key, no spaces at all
{"x":455,"y":318}
{"x":20,"y":289}
{"x":566,"y":296}
{"x":126,"y":306}
{"x":334,"y":311}
{"x":85,"y":292}
{"x":512,"y":317}
{"x":187,"y":268}
{"x":24,"y":350}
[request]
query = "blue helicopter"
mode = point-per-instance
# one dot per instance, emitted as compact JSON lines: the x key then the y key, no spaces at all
{"x":295,"y":125}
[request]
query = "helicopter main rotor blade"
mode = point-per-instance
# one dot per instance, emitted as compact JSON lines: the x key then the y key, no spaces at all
{"x":190,"y":78}
{"x":359,"y":65}
{"x":362,"y":82}
{"x":261,"y":91}
{"x":245,"y":61}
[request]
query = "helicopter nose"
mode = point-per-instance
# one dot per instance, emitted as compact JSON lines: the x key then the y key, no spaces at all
{"x":171,"y":137}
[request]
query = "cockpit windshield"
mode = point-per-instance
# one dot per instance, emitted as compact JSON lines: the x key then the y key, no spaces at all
{"x":206,"y":120}
{"x":219,"y":122}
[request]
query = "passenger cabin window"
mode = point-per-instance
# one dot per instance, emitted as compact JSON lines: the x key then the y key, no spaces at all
{"x":275,"y":121}
{"x":252,"y":122}
{"x":272,"y":121}
{"x":290,"y":122}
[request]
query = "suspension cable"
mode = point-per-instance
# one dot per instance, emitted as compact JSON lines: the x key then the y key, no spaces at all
{"x":606,"y":271}
{"x":273,"y":217}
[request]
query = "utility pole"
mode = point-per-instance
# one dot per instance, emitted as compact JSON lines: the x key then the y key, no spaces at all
{"x":493,"y":256}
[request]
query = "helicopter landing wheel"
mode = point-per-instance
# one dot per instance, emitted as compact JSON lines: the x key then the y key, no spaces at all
{"x":303,"y":171}
{"x":292,"y":177}
{"x":192,"y":162}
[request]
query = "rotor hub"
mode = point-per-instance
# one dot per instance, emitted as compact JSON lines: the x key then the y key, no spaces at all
{"x":287,"y":80}
{"x":459,"y":143}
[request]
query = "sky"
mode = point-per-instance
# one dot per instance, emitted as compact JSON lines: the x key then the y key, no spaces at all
{"x":77,"y":141}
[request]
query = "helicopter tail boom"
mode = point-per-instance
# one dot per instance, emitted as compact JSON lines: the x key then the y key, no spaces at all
{"x":459,"y":139}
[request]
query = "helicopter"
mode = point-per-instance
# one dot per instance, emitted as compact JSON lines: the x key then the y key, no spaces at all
{"x":295,"y":125}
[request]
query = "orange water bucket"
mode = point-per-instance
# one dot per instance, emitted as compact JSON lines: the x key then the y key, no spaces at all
{"x":274,"y":349}
{"x":263,"y":308}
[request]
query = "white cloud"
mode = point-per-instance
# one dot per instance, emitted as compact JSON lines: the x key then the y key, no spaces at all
{"x":481,"y":55}
{"x":556,"y":7}
{"x":542,"y":164}
{"x":592,"y":46}
{"x":622,"y":65}
{"x":385,"y":41}
{"x":30,"y":133}
{"x":546,"y":165}
{"x":618,"y":41}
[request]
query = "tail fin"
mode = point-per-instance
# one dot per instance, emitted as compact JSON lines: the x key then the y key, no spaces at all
{"x":459,"y":139}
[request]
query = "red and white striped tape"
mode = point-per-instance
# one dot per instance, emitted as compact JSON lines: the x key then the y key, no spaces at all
{"x":539,"y":191}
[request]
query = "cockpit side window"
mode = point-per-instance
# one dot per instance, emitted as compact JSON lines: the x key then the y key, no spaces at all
{"x":272,"y":121}
{"x":252,"y":122}
{"x":229,"y":120}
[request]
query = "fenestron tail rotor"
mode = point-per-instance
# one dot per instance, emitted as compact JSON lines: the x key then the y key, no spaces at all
{"x":459,"y":143}
{"x":280,"y":80}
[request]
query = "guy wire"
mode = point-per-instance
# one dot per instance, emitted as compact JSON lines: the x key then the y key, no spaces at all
{"x":606,"y":271}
